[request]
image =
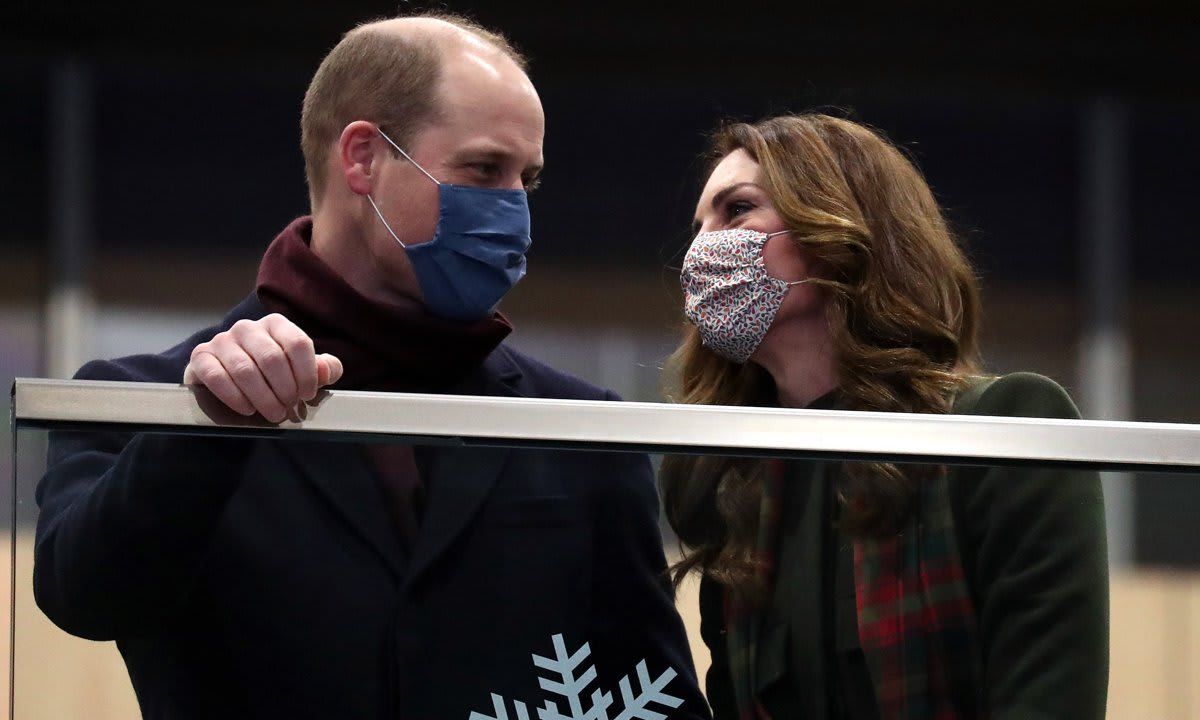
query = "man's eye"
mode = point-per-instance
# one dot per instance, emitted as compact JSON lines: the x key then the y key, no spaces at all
{"x":486,"y":169}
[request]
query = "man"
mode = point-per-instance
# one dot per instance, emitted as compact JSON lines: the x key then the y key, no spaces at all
{"x":266,"y":578}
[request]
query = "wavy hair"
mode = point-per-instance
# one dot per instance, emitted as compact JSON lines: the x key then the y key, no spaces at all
{"x":903,"y":316}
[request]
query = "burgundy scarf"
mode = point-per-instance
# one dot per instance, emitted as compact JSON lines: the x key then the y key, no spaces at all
{"x":382,"y":346}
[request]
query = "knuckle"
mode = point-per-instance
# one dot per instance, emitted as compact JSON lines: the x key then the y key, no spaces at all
{"x":272,"y":357}
{"x":243,"y":368}
{"x":277,"y":321}
{"x":222,"y":342}
{"x":299,"y":344}
{"x":244,"y":329}
{"x":208,"y":373}
{"x":214,"y":345}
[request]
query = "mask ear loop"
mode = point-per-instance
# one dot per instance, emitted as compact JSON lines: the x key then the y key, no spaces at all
{"x":385,"y":222}
{"x":417,"y":165}
{"x":407,"y":156}
{"x":793,"y":283}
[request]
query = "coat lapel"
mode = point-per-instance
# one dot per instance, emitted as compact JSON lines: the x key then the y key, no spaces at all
{"x":340,"y":472}
{"x":794,"y":641}
{"x":460,"y":478}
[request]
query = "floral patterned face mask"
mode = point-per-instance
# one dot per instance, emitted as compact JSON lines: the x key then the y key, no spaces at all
{"x":728,"y":294}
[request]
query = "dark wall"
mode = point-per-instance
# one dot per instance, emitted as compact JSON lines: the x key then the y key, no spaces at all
{"x":197,"y":111}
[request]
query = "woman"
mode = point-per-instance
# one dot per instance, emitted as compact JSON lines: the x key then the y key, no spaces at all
{"x":824,"y":275}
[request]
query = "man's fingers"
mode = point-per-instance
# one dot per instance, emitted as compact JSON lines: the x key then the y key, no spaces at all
{"x":329,"y":369}
{"x":265,"y":366}
{"x":300,"y":353}
{"x":249,"y":379}
{"x":335,"y":368}
{"x":272,"y":362}
{"x":206,"y":370}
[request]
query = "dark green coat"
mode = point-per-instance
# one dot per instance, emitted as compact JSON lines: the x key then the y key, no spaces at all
{"x":1034,"y":553}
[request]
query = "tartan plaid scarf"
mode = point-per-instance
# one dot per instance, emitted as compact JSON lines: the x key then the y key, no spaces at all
{"x":916,"y":622}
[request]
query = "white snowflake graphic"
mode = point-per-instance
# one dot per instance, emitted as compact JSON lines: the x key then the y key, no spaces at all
{"x":572,"y":687}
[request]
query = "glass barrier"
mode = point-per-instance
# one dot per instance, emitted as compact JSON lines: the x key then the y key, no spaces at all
{"x":342,"y":575}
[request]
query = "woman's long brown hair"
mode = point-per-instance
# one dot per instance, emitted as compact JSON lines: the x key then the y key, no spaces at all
{"x":903,"y":314}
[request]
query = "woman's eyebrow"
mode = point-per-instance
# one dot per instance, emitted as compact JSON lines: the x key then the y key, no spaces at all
{"x":720,"y":197}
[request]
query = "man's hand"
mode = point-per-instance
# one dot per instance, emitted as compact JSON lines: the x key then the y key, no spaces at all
{"x":266,"y":366}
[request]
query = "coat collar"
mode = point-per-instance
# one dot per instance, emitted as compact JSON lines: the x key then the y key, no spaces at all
{"x":498,"y":375}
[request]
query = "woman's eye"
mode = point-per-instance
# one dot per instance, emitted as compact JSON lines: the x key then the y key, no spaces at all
{"x":740,"y":207}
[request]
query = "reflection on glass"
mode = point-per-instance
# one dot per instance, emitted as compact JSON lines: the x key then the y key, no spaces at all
{"x":253,"y":577}
{"x":500,"y":572}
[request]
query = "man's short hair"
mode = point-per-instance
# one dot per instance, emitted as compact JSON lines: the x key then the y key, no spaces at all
{"x":381,"y":77}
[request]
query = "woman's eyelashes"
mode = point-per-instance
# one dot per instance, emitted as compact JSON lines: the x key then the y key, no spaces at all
{"x":735,"y":209}
{"x":728,"y":214}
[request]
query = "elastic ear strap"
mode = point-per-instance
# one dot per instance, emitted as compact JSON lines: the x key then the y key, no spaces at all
{"x":385,"y":222}
{"x":407,"y":156}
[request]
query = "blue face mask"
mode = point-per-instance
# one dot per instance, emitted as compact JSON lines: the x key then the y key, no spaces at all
{"x":477,"y":253}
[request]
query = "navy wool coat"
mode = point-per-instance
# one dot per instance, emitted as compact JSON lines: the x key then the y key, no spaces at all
{"x":262,"y":578}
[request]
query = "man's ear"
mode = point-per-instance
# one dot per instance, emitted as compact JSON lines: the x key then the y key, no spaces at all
{"x":357,"y":154}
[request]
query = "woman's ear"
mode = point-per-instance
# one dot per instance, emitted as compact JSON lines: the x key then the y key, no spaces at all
{"x":357,"y":152}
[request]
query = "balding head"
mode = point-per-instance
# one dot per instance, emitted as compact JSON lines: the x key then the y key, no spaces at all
{"x":444,"y":31}
{"x":388,"y":72}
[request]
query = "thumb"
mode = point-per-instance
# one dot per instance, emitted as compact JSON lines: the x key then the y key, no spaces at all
{"x":329,"y":369}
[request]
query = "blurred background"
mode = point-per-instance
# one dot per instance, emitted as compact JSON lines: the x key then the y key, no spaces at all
{"x":151,"y":152}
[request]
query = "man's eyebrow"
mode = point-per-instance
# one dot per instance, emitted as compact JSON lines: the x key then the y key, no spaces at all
{"x":483,"y":153}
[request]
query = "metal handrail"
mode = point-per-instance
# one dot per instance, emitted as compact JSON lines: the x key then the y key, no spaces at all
{"x":596,"y":425}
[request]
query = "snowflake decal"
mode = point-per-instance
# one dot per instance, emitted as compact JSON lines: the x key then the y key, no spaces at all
{"x":568,"y":685}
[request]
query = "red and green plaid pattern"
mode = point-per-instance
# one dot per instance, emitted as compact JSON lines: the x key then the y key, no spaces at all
{"x":916,"y":622}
